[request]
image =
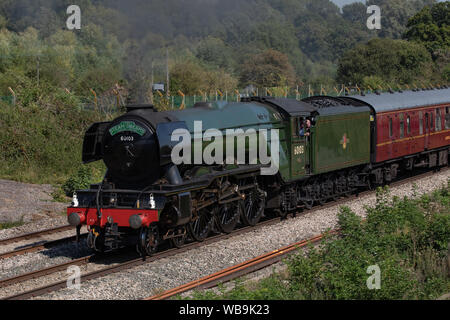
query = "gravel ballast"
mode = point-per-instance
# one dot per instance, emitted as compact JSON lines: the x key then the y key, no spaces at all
{"x":27,"y":202}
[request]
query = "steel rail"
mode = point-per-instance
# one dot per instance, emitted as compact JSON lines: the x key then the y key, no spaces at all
{"x":39,"y":246}
{"x":44,"y":272}
{"x":113,"y":269}
{"x":36,"y":234}
{"x":238,"y":270}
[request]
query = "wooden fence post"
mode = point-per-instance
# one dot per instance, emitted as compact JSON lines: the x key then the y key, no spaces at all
{"x":238,"y":95}
{"x":95,"y":98}
{"x":183,"y":101}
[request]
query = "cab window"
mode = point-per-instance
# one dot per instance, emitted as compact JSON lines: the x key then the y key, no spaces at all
{"x":296,"y":126}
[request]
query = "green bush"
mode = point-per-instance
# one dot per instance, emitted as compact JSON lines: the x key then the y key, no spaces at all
{"x":80,"y":180}
{"x":408,"y":239}
{"x":41,"y":136}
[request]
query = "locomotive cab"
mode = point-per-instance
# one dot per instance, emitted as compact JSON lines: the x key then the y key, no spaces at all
{"x":301,"y":137}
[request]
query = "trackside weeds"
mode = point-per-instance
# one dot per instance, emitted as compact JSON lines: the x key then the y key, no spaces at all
{"x":401,"y":251}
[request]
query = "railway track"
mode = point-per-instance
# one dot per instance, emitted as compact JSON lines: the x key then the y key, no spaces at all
{"x":36,"y":234}
{"x":39,"y":244}
{"x":238,"y":270}
{"x":112,"y":269}
{"x":46,"y":244}
{"x":125,"y":265}
{"x":46,"y":271}
{"x":134,"y":262}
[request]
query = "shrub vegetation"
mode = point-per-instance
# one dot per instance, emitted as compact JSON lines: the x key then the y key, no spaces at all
{"x":407,"y":238}
{"x":41,"y":136}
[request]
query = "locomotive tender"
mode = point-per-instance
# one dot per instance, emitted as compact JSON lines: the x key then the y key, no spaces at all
{"x":355,"y":142}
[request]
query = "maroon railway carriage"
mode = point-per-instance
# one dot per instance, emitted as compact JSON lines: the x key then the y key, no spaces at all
{"x":411,"y":129}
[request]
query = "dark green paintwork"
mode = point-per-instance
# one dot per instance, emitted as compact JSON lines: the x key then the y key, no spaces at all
{"x":299,"y":156}
{"x":341,"y":141}
{"x":243,"y":116}
{"x":324,"y":150}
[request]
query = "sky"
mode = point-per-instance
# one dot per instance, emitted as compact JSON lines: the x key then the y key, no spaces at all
{"x":341,"y":3}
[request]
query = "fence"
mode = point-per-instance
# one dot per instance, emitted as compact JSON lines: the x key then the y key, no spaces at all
{"x":112,"y":102}
{"x":182,"y":101}
{"x":7,"y":99}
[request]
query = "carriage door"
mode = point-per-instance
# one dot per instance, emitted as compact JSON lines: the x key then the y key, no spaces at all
{"x":426,"y":126}
{"x":299,"y":158}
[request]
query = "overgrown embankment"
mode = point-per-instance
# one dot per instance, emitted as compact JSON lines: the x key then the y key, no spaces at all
{"x":41,"y":137}
{"x":407,"y":239}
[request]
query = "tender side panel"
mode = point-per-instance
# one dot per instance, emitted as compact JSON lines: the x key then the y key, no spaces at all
{"x":341,"y":141}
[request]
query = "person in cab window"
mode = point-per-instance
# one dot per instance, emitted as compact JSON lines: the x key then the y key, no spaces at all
{"x":305,"y":128}
{"x":301,"y":131}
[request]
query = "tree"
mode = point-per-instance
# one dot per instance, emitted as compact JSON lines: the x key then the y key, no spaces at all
{"x":215,"y":52}
{"x":219,"y":79}
{"x":186,"y":76}
{"x":446,"y":73}
{"x":393,"y":61}
{"x":355,"y":12}
{"x":120,"y":40}
{"x":189,"y":76}
{"x":395,"y":15}
{"x":270,"y":68}
{"x":324,"y":34}
{"x":431,"y":27}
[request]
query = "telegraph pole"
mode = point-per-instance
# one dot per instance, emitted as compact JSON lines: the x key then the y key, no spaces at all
{"x":167,"y":70}
{"x":38,"y":69}
{"x":151,"y":85}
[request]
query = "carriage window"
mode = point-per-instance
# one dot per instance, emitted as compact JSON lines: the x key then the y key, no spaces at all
{"x":390,"y":127}
{"x":438,"y":120}
{"x":447,"y":118}
{"x":408,"y":124}
{"x":402,"y":126}
{"x":431,"y":121}
{"x":420,"y":122}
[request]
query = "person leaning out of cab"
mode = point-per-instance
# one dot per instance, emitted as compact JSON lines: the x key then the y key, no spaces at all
{"x":305,"y":128}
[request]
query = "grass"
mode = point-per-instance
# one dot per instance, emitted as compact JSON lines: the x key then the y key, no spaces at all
{"x":408,"y":239}
{"x":9,"y":225}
